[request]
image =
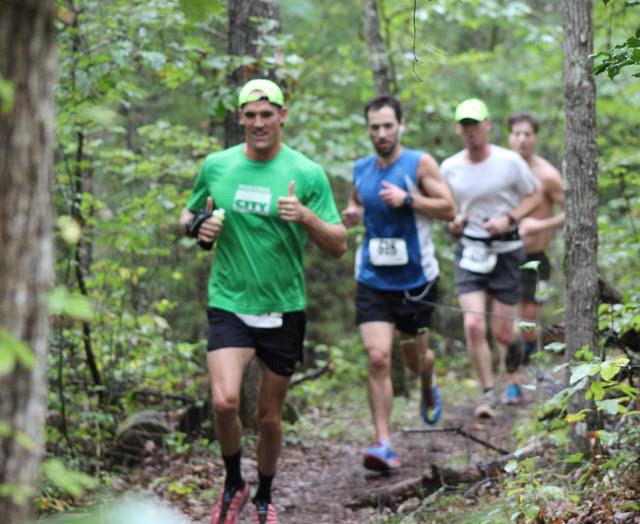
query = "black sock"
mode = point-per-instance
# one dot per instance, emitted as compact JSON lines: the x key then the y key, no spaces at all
{"x":263,"y":493}
{"x":232,"y":467}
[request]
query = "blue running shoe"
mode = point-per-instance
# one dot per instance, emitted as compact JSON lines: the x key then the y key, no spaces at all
{"x":432,"y":414}
{"x":513,"y":395}
{"x":380,"y":457}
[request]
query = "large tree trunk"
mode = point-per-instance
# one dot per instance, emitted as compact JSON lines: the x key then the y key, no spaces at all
{"x":249,"y":22}
{"x":378,"y":53}
{"x":28,"y":62}
{"x":580,"y":174}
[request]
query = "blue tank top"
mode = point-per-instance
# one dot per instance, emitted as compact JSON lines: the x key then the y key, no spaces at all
{"x":383,"y":221}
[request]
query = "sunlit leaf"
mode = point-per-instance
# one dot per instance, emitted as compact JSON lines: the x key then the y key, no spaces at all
{"x":582,"y":371}
{"x":72,"y":304}
{"x":511,"y":466}
{"x":533,"y":264}
{"x":70,"y":230}
{"x":573,"y":418}
{"x":610,"y":406}
{"x":556,"y":347}
{"x":574,"y":458}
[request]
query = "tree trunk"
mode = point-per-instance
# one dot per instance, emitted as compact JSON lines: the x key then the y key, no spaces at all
{"x":249,"y":22}
{"x":378,"y":53}
{"x":28,"y":63}
{"x":580,"y":174}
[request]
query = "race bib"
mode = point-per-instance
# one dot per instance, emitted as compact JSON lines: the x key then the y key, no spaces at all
{"x":388,"y":251}
{"x":270,"y":320}
{"x":477,"y":257}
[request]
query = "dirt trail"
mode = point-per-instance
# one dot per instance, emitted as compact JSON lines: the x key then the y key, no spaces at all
{"x":316,"y":479}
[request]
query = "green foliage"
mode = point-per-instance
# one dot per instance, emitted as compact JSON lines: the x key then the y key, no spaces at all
{"x":622,"y":55}
{"x":142,"y":98}
{"x":65,"y":480}
{"x":7,"y":96}
{"x":12,"y":352}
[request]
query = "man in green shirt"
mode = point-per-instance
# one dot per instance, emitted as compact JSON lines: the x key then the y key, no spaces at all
{"x":273,"y":199}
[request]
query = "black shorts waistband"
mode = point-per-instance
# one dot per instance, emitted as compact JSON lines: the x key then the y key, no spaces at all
{"x":504,"y":237}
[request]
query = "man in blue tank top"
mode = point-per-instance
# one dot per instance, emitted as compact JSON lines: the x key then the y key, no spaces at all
{"x":398,"y":192}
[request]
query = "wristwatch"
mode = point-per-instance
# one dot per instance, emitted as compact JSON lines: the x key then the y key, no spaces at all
{"x":408,"y":200}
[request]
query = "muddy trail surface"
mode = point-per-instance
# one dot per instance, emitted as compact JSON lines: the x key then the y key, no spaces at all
{"x":322,"y":480}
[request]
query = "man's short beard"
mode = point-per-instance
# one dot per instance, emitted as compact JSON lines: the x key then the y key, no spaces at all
{"x":389,"y":152}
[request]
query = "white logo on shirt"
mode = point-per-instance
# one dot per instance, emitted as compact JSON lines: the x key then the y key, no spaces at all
{"x":252,"y":199}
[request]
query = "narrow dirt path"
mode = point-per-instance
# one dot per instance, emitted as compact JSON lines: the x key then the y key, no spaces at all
{"x":317,"y":478}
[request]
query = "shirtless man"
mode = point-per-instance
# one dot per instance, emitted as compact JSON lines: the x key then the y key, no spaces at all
{"x":537,"y":229}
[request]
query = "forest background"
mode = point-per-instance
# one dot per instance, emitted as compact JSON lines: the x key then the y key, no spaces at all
{"x":142,"y":98}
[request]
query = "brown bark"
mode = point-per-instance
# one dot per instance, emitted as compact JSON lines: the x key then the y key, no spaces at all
{"x":378,"y":53}
{"x":28,"y":62}
{"x":249,"y":21}
{"x":580,"y":174}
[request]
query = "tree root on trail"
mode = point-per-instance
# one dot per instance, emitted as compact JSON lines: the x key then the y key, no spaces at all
{"x":313,"y":374}
{"x":437,"y":480}
{"x":459,"y":431}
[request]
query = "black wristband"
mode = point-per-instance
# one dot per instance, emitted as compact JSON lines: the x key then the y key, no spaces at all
{"x":408,"y":200}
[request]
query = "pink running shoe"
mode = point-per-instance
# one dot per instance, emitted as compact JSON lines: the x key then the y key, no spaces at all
{"x":264,"y":513}
{"x":229,"y":505}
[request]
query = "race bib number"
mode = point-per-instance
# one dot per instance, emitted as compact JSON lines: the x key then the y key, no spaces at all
{"x":388,"y":251}
{"x":477,"y":257}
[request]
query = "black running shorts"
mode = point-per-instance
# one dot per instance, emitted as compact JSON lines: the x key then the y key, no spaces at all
{"x":279,"y":348}
{"x":409,"y":310}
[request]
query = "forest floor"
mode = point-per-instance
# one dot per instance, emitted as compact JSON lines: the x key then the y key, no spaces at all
{"x":320,"y":472}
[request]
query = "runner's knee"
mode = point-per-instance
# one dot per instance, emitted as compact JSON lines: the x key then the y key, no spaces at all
{"x":475,"y":328}
{"x":269,"y":422}
{"x":226,"y":404}
{"x":504,"y":334}
{"x":379,"y":360}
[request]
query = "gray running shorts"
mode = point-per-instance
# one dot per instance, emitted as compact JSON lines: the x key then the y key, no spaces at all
{"x":504,"y":282}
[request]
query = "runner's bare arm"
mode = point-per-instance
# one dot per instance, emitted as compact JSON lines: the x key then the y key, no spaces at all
{"x":552,"y":187}
{"x":331,"y":238}
{"x":500,"y":224}
{"x":353,"y":212}
{"x":435,"y":199}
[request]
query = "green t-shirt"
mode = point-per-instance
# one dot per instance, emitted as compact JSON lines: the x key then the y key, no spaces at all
{"x":258,"y":263}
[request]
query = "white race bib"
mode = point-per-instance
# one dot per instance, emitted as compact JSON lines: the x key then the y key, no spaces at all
{"x":478,"y":257}
{"x":388,"y":251}
{"x":270,"y":320}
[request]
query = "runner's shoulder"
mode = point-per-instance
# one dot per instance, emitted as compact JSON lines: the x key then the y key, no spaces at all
{"x":453,"y":160}
{"x":365,"y":161}
{"x":508,"y":154}
{"x":545,"y":170}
